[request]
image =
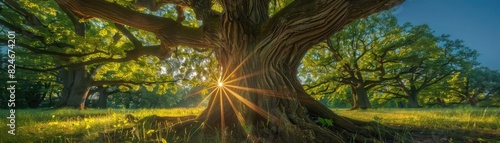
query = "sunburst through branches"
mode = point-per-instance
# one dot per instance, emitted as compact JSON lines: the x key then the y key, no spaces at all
{"x":224,"y":89}
{"x":220,"y":84}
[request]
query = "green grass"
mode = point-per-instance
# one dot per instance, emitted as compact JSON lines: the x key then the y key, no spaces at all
{"x":445,"y":125}
{"x":70,"y":125}
{"x":67,"y":125}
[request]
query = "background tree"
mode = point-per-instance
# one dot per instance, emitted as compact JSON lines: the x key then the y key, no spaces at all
{"x":258,"y":54}
{"x":432,"y":61}
{"x":75,"y":58}
{"x":365,"y":54}
{"x":475,"y":85}
{"x":144,"y":98}
{"x":32,"y":88}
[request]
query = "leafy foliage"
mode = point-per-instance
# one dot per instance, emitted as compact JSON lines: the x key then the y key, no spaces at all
{"x":363,"y":55}
{"x":391,"y":61}
{"x":475,"y":85}
{"x":48,"y":42}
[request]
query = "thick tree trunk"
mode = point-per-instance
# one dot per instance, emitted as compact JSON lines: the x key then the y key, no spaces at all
{"x":34,"y":99}
{"x":413,"y":100}
{"x":261,"y":91}
{"x":267,"y":102}
{"x":36,"y":94}
{"x":360,"y":98}
{"x":51,"y":103}
{"x":103,"y":97}
{"x":126,"y":104}
{"x":400,"y":104}
{"x":472,"y":102}
{"x":76,"y":82}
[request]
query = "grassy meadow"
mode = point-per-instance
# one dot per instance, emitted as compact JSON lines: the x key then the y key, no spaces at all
{"x":422,"y":125}
{"x":437,"y":125}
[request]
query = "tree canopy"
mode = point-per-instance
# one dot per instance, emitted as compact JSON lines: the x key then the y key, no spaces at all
{"x":110,"y":54}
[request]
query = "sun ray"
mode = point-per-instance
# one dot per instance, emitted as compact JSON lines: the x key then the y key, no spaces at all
{"x":236,"y":112}
{"x":197,"y":92}
{"x":212,"y":105}
{"x":260,"y":91}
{"x":224,"y":73}
{"x":243,"y":77}
{"x":222,"y":84}
{"x":206,"y":98}
{"x":239,"y":65}
{"x":222,"y":117}
{"x":254,"y":107}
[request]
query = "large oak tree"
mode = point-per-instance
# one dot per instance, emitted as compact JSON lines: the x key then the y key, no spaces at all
{"x":258,"y":55}
{"x":363,"y":55}
{"x":475,"y":85}
{"x":433,"y":62}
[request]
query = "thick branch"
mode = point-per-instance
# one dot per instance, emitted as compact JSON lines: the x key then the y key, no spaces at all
{"x":311,"y":86}
{"x":130,"y":55}
{"x":28,"y":34}
{"x":396,"y":94}
{"x":305,"y":23}
{"x":31,"y":17}
{"x":170,"y":32}
{"x":121,"y":82}
{"x":248,"y":12}
{"x":155,"y":5}
{"x":79,"y":27}
{"x":116,"y":13}
{"x":130,"y":36}
{"x":391,"y":98}
{"x":137,"y":52}
{"x":47,"y":52}
{"x":310,"y":22}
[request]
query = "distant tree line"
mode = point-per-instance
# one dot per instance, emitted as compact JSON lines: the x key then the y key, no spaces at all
{"x":377,"y":62}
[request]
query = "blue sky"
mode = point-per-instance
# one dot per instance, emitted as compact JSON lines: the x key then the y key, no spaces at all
{"x":477,"y":22}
